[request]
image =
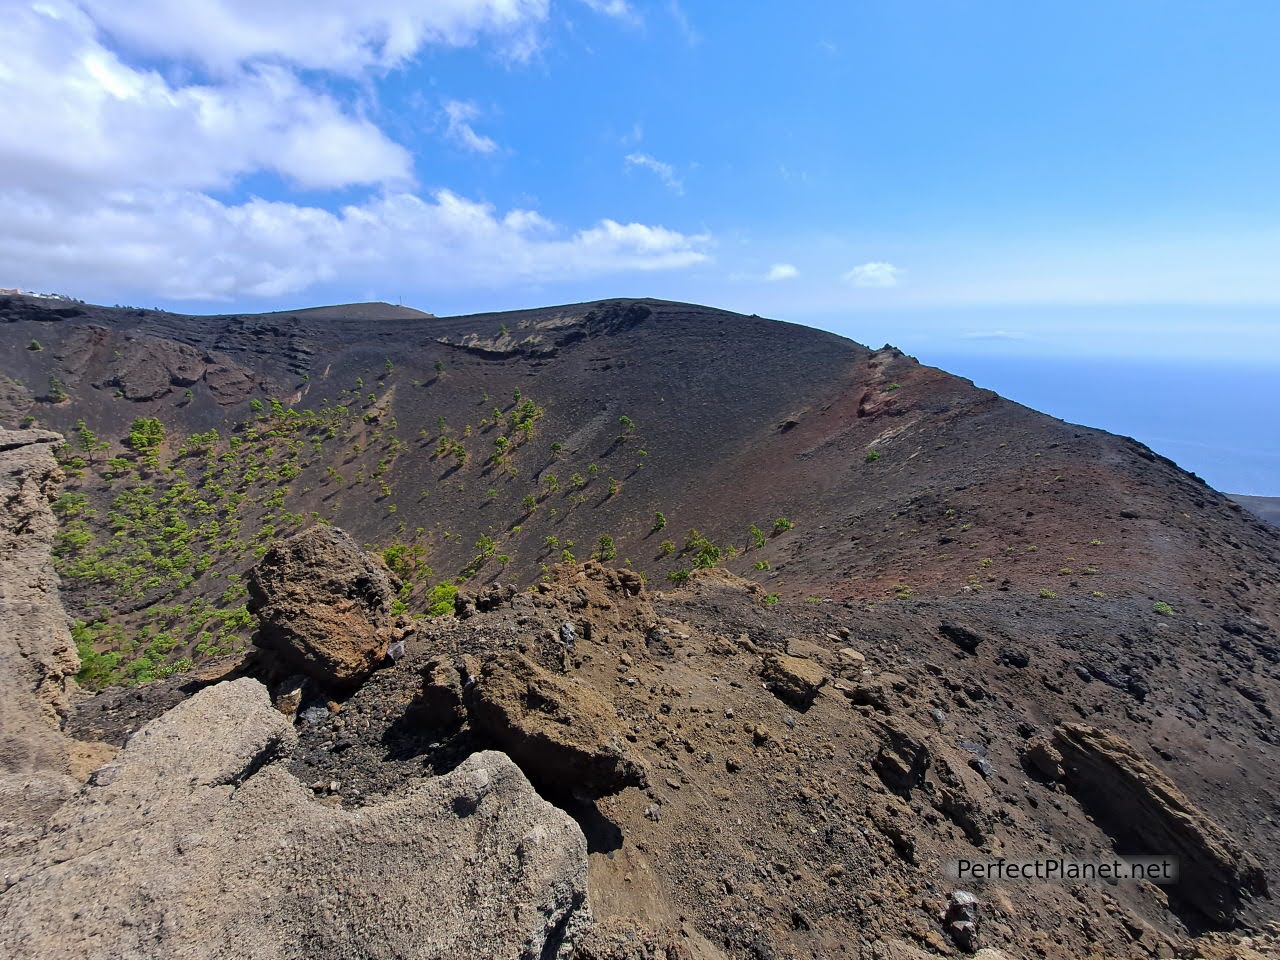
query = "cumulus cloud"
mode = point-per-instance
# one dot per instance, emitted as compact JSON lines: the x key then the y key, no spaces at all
{"x":663,"y":171}
{"x":119,"y":178}
{"x":782,"y":271}
{"x":334,"y":35}
{"x":75,"y":114}
{"x":875,"y":274}
{"x":187,"y":245}
{"x":459,"y":115}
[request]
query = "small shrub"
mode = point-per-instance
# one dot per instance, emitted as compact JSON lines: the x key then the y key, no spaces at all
{"x":761,"y":564}
{"x":146,"y":434}
{"x":771,"y":598}
{"x":35,"y":345}
{"x":782,"y":525}
{"x":440,"y":599}
{"x":666,"y":549}
{"x":1047,"y":594}
{"x":1162,"y":608}
{"x":872,"y":456}
{"x":659,"y":521}
{"x":678,"y":576}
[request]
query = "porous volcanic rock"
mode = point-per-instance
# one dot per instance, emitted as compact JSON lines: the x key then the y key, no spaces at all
{"x":564,"y":735}
{"x":15,"y":399}
{"x":38,"y":661}
{"x":324,"y":607}
{"x":198,"y":843}
{"x":1135,"y":802}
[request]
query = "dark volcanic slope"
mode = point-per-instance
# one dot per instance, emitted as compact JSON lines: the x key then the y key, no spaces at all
{"x":899,"y":478}
{"x":1103,"y":584}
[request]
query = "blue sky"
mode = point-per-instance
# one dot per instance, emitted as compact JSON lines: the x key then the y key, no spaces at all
{"x":999,"y":180}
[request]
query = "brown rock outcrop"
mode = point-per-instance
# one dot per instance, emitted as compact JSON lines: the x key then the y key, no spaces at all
{"x":794,"y":680}
{"x":559,"y":731}
{"x":324,"y":607}
{"x":199,"y":843}
{"x":1137,"y":804}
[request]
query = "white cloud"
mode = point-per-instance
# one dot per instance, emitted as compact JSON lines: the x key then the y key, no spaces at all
{"x":875,"y":274}
{"x":619,"y":9}
{"x":76,"y":116}
{"x":459,"y":114}
{"x":334,"y":35}
{"x":108,"y":171}
{"x":691,"y":36}
{"x":782,"y":271}
{"x":663,"y":171}
{"x":186,"y":245}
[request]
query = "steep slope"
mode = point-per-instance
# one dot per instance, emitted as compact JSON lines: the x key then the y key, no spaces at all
{"x":492,"y":444}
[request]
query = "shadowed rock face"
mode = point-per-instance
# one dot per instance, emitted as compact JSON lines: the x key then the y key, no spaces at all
{"x":198,"y":843}
{"x":1137,"y":803}
{"x":324,"y":607}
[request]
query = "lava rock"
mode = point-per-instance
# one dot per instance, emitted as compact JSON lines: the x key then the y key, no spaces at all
{"x":441,"y":705}
{"x":1131,"y":799}
{"x":1014,"y":657}
{"x":1041,"y":759}
{"x":964,"y":638}
{"x":962,"y":920}
{"x":324,"y":608}
{"x":564,"y":736}
{"x":793,"y":680}
{"x":170,"y":856}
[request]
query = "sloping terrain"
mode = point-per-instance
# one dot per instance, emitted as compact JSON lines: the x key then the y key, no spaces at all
{"x":920,"y":590}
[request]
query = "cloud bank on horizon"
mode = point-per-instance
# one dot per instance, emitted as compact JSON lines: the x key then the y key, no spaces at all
{"x":469,"y":154}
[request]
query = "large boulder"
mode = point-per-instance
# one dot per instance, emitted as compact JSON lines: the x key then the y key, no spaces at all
{"x":324,"y":607}
{"x":198,"y":842}
{"x":794,"y":680}
{"x":1139,"y":805}
{"x":565,"y":736}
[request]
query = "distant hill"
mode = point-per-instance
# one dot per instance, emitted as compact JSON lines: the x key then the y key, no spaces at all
{"x":375,"y":310}
{"x":1268,"y":508}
